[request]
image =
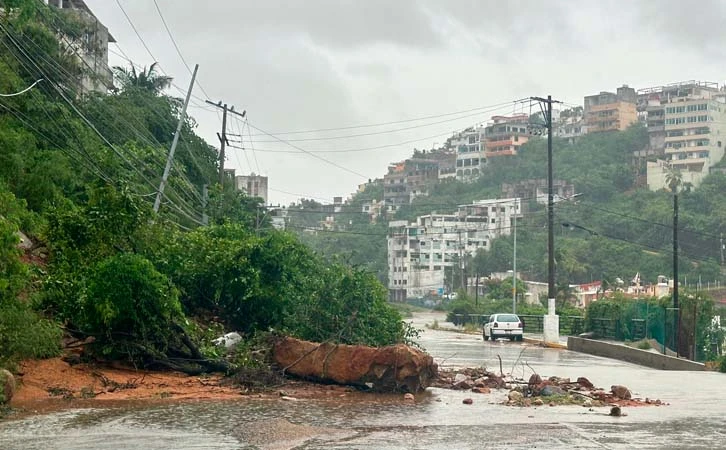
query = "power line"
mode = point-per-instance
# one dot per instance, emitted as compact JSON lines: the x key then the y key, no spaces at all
{"x":128,"y":19}
{"x":252,"y":145}
{"x":190,"y":188}
{"x":375,"y":133}
{"x":351,"y":127}
{"x":173,"y":41}
{"x":84,"y":118}
{"x":23,"y":91}
{"x":332,"y":163}
{"x":352,"y":150}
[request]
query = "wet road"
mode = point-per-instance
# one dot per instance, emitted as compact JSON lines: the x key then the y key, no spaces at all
{"x":438,"y":419}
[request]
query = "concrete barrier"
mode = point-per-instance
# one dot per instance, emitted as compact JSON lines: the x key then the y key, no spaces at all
{"x":632,"y":355}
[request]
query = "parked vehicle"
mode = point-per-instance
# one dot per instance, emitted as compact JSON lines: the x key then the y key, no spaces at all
{"x":507,"y":326}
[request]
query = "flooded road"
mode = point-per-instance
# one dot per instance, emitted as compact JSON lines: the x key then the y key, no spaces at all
{"x":438,"y":419}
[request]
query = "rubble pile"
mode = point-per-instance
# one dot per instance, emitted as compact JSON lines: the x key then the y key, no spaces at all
{"x":538,"y":391}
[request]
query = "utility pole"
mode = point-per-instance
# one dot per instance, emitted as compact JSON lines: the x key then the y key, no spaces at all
{"x":461,"y":263}
{"x":205,"y":201}
{"x":223,"y":136}
{"x":514,"y":263}
{"x":174,"y":143}
{"x":551,"y":326}
{"x":722,"y":250}
{"x":676,"y":309}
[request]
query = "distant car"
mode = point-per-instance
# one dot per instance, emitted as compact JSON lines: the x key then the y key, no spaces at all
{"x":503,"y":326}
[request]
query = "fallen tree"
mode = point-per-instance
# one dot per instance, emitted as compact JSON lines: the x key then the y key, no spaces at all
{"x":395,"y":368}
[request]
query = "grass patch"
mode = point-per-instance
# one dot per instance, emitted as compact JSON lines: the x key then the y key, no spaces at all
{"x":434,"y":326}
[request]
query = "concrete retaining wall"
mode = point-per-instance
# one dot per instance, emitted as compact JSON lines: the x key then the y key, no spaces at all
{"x":629,"y":354}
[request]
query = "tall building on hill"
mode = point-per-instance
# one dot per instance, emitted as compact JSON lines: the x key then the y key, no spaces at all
{"x":611,"y":112}
{"x":420,"y":254}
{"x":504,"y":135}
{"x":91,"y":48}
{"x":253,"y":185}
{"x":685,"y":125}
{"x":469,"y":155}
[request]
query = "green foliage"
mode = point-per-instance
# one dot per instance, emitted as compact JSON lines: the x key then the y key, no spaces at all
{"x":24,"y":334}
{"x":128,"y":305}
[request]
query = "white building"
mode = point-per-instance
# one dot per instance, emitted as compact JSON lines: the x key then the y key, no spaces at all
{"x":420,"y":253}
{"x":253,"y":185}
{"x":469,"y":153}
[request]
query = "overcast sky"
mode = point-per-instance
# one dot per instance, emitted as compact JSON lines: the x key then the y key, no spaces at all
{"x":319,"y":64}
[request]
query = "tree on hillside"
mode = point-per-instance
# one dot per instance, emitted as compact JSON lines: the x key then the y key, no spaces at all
{"x":149,"y":80}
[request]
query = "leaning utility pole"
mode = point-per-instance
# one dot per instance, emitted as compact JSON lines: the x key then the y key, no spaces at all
{"x":551,"y":332}
{"x":170,"y":158}
{"x":223,"y":136}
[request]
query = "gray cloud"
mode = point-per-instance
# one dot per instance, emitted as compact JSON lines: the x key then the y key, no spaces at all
{"x":325,"y":63}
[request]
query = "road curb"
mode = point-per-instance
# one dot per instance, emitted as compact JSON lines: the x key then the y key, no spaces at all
{"x":542,"y":343}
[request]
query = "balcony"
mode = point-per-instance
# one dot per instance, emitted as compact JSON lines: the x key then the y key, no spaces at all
{"x":510,"y":152}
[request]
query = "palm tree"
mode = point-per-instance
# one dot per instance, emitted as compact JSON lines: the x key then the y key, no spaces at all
{"x":673,"y":179}
{"x":149,"y":80}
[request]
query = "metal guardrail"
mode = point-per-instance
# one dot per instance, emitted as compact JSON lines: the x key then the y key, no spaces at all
{"x":569,"y":325}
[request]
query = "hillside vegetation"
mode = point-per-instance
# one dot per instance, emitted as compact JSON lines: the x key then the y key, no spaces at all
{"x":78,"y":175}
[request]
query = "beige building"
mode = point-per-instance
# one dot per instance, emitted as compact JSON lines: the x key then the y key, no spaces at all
{"x":505,"y":134}
{"x":693,"y":133}
{"x":611,"y":112}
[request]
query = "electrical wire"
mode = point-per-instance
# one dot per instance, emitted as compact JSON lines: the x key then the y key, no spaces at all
{"x":394,"y":122}
{"x":178,"y":50}
{"x":332,"y":163}
{"x":23,"y":91}
{"x":75,"y":109}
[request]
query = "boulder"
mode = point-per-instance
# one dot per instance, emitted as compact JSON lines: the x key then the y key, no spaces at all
{"x":409,"y":397}
{"x":534,"y":380}
{"x":395,"y":368}
{"x":584,"y":382}
{"x":549,"y":391}
{"x":481,"y":390}
{"x":538,"y":402}
{"x":515,"y":396}
{"x":7,"y":384}
{"x":621,"y":392}
{"x":462,"y":382}
{"x":467,"y":401}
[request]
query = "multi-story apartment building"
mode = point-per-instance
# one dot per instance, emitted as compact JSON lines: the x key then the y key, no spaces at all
{"x":505,"y":134}
{"x":469,"y":155}
{"x":652,"y":108}
{"x":569,"y":124}
{"x":91,"y":48}
{"x":611,"y":112}
{"x":253,"y":185}
{"x":685,"y":121}
{"x":420,"y":253}
{"x":407,"y":180}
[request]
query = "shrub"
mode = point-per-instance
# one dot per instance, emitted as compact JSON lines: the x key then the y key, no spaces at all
{"x":130,"y":307}
{"x":23,"y":334}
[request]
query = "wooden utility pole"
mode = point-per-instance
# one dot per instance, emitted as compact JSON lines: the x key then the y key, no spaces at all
{"x":223,"y":136}
{"x":174,"y":143}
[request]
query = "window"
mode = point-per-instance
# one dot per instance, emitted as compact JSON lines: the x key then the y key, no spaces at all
{"x":437,"y":267}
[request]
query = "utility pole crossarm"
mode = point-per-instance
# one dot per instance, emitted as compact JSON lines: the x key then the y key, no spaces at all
{"x":223,"y":141}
